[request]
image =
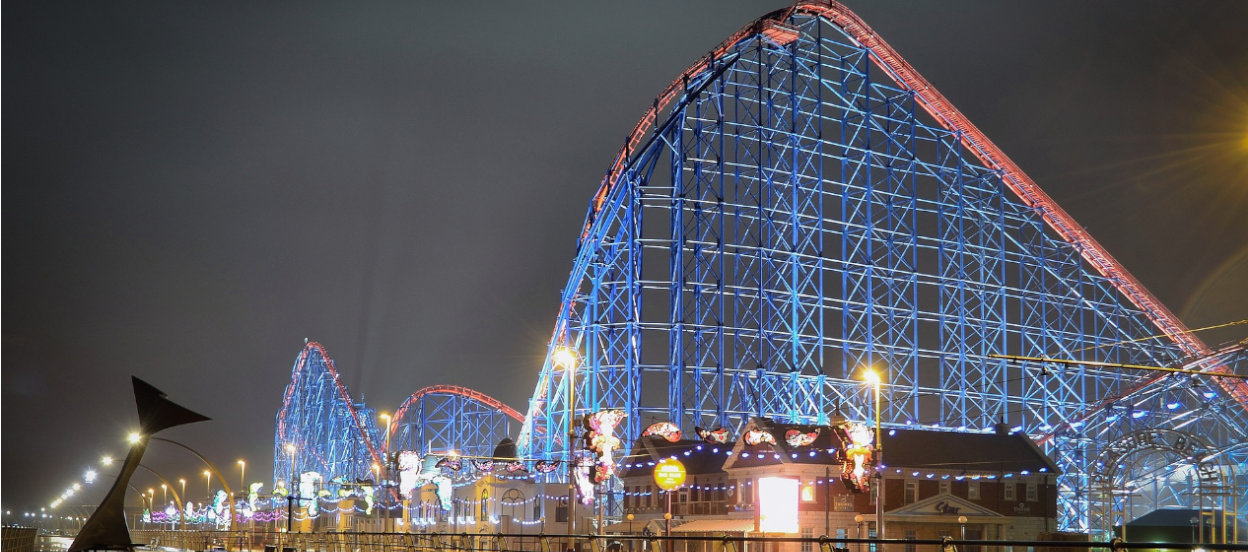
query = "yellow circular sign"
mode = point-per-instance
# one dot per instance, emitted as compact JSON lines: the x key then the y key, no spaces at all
{"x":669,"y":474}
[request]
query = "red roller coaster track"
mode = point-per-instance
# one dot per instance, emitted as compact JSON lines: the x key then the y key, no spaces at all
{"x":460,"y":391}
{"x":940,"y":108}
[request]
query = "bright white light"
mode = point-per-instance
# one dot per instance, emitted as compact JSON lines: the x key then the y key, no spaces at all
{"x":564,"y":358}
{"x":777,"y":505}
{"x":77,"y":487}
{"x":134,"y":437}
{"x":89,"y":477}
{"x":106,"y":461}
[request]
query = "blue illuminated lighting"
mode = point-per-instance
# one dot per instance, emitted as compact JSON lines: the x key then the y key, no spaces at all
{"x":1138,"y":414}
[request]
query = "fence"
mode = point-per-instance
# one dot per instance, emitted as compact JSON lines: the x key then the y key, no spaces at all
{"x":272,"y":541}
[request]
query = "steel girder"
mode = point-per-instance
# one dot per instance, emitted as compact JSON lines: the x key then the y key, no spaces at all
{"x":795,"y":208}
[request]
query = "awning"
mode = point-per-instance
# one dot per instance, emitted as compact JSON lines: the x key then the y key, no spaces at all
{"x":716,"y":526}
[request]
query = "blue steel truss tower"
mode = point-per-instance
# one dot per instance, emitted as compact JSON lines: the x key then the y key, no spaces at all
{"x":320,"y":428}
{"x":800,"y":204}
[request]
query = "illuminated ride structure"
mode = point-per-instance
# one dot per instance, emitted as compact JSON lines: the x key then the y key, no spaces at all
{"x":322,"y":429}
{"x":800,"y":204}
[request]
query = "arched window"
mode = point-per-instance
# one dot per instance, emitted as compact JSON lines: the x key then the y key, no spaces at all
{"x":485,"y":504}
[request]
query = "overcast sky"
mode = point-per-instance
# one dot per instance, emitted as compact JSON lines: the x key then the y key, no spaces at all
{"x":192,"y":189}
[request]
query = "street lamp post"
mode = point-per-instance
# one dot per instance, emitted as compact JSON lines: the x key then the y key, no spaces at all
{"x":874,"y":379}
{"x":242,"y":477}
{"x":290,"y":490}
{"x":566,"y":358}
{"x":385,"y":476}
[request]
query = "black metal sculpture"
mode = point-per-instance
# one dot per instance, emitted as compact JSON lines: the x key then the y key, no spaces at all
{"x":106,"y":528}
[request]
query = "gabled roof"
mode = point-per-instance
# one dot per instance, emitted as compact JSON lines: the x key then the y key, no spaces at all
{"x":822,"y":451}
{"x":944,"y":504}
{"x":969,"y":452}
{"x":697,"y":456}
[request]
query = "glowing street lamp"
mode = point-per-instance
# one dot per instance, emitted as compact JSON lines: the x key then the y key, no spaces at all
{"x":873,"y":378}
{"x":106,"y":461}
{"x":164,"y":493}
{"x":386,"y":418}
{"x":208,"y":483}
{"x":182,"y":481}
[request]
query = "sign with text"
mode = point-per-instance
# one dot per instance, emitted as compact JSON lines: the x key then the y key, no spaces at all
{"x":669,"y":474}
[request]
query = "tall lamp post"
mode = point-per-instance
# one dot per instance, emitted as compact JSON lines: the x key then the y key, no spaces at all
{"x":385,"y":475}
{"x":242,"y":477}
{"x":872,"y":377}
{"x":291,"y":489}
{"x":566,"y":358}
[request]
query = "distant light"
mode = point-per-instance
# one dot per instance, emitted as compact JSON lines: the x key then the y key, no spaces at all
{"x":134,"y":437}
{"x":1172,"y":404}
{"x":1138,"y":414}
{"x":106,"y":461}
{"x":89,"y":477}
{"x":1016,"y":429}
{"x":1209,"y":394}
{"x":892,"y":432}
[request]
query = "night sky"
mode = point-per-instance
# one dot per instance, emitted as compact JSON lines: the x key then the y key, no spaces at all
{"x":191,"y":189}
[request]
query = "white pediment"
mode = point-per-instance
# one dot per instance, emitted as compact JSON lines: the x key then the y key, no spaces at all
{"x":943,"y":504}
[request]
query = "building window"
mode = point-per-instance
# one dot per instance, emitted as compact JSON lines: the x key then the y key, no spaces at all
{"x":912,"y":491}
{"x":1031,"y":492}
{"x":972,"y":490}
{"x":807,"y":533}
{"x":944,"y":487}
{"x":808,"y":492}
{"x":911,"y":534}
{"x":1008,"y":491}
{"x":485,"y":504}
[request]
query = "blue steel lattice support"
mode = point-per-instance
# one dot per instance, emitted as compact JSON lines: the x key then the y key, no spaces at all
{"x":319,"y":427}
{"x":792,"y":209}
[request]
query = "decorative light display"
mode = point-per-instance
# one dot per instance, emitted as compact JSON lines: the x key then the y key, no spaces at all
{"x":717,"y":436}
{"x":253,"y":495}
{"x":601,"y":439}
{"x":307,"y":488}
{"x":755,"y":437}
{"x":584,"y":480}
{"x":484,"y":466}
{"x":518,"y":467}
{"x":444,"y":490}
{"x":666,"y":430}
{"x":409,"y":472}
{"x":857,"y":457}
{"x":546,"y":466}
{"x":796,"y":438}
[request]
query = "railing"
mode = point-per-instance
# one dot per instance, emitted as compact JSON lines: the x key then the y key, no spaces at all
{"x":18,"y":539}
{"x":273,"y":541}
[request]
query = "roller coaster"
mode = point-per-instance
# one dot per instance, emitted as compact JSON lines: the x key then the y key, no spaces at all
{"x":799,"y":204}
